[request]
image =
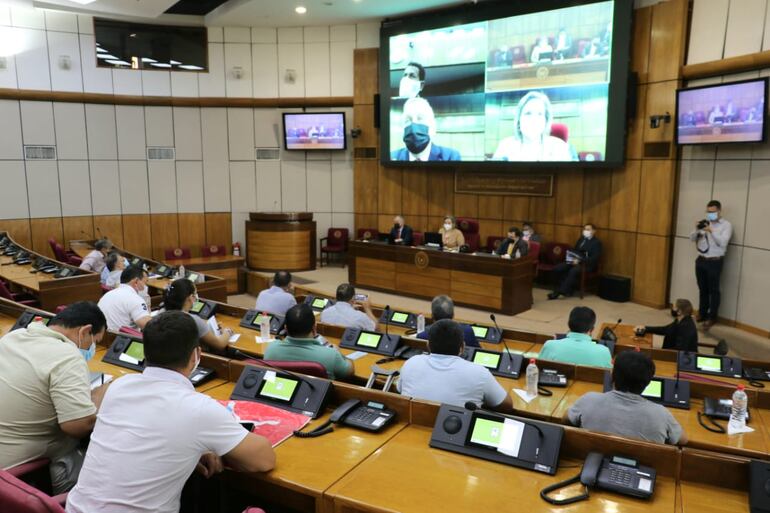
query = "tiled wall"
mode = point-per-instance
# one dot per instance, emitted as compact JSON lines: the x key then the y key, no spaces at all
{"x":737,"y":175}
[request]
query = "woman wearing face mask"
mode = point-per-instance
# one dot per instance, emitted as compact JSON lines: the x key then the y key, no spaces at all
{"x":419,"y":132}
{"x":181,"y":295}
{"x":452,"y":237}
{"x":681,"y":334}
{"x":532,"y":140}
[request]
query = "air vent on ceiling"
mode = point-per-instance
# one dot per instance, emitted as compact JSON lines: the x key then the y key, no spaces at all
{"x":369,"y":152}
{"x":161,"y":154}
{"x":268,"y":153}
{"x":40,"y":152}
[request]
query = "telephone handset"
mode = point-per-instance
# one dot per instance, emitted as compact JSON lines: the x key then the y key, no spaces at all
{"x":371,"y":416}
{"x":613,"y":473}
{"x":404,"y":353}
{"x":755,"y":376}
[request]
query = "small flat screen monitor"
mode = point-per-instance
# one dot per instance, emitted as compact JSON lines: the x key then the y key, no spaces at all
{"x":488,"y":360}
{"x":136,"y":350}
{"x":486,"y":432}
{"x":654,"y":390}
{"x":197,"y":307}
{"x":314,"y":131}
{"x":399,"y":317}
{"x":722,"y":113}
{"x":708,"y":364}
{"x":319,"y":302}
{"x":480,"y":331}
{"x":258,"y":319}
{"x":366,"y":339}
{"x":281,"y":389}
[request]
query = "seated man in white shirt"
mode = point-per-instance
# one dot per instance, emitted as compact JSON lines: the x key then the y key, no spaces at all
{"x":445,"y":377}
{"x":125,"y":306}
{"x":154,"y":429}
{"x":94,"y":261}
{"x":344,"y":313}
{"x":278,"y":298}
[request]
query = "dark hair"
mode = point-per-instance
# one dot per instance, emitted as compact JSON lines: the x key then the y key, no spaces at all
{"x":81,"y":314}
{"x":528,"y":223}
{"x":632,"y":372}
{"x":300,"y":320}
{"x":581,"y":319}
{"x":515,"y":231}
{"x":282,"y":279}
{"x":102,"y":244}
{"x":131,"y":272}
{"x":345,"y":292}
{"x":442,"y":307}
{"x":684,"y":306}
{"x":592,"y":225}
{"x":111,"y":260}
{"x":420,"y":69}
{"x":714,"y":203}
{"x":445,"y":337}
{"x":177,"y":293}
{"x":169,"y":340}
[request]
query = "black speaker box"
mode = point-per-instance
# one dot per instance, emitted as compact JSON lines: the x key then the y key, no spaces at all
{"x":376,"y":106}
{"x":615,"y":288}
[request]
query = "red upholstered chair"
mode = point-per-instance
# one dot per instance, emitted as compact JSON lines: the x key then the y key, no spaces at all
{"x":367,"y":233}
{"x":335,"y":242}
{"x":534,"y":253}
{"x":561,"y":131}
{"x":493,"y":242}
{"x":417,"y":238}
{"x":177,"y":253}
{"x":309,"y":368}
{"x":551,"y":255}
{"x":590,"y":156}
{"x":470,"y":229}
{"x":519,"y":57}
{"x":62,"y":255}
{"x":19,"y":497}
{"x":212,"y":250}
{"x":130,"y":331}
{"x":22,"y":298}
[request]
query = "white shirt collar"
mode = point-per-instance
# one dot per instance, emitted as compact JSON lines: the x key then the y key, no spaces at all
{"x":162,"y":374}
{"x":126,"y":285}
{"x":423,"y":155}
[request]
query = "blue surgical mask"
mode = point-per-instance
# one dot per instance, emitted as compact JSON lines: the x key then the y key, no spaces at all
{"x":712,"y":216}
{"x":416,"y":137}
{"x":89,"y":353}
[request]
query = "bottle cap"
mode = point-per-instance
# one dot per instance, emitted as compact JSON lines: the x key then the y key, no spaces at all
{"x":741,"y":387}
{"x":532,"y":361}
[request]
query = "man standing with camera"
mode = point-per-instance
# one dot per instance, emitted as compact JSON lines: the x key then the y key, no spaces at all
{"x":711,"y":237}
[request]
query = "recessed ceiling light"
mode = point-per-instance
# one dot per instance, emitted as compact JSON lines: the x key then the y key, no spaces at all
{"x":172,"y":61}
{"x":160,"y":64}
{"x":105,"y":56}
{"x":191,"y":67}
{"x":99,"y":49}
{"x":118,"y":62}
{"x":148,"y":59}
{"x":300,"y":9}
{"x":83,"y":2}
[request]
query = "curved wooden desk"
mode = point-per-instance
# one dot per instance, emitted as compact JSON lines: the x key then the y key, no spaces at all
{"x":281,"y":241}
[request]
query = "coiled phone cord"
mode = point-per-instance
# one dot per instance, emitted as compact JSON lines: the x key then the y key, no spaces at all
{"x":569,"y":500}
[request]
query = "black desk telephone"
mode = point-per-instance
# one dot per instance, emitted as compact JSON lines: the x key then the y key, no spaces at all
{"x":755,"y":376}
{"x":64,"y":272}
{"x":617,"y":474}
{"x":716,"y":409}
{"x":371,"y":416}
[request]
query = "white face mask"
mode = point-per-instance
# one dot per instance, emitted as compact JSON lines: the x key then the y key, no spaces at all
{"x":408,"y":87}
{"x":587,"y":234}
{"x":527,"y":233}
{"x":447,"y":226}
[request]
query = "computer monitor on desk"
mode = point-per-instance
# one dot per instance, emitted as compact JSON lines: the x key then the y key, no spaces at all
{"x":434,"y":239}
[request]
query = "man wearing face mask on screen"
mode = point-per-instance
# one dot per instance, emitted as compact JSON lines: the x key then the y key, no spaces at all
{"x":412,"y":82}
{"x":419,"y":132}
{"x":711,"y":237}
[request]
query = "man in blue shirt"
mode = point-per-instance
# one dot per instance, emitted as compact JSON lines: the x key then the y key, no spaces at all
{"x":442,"y":307}
{"x":344,"y":313}
{"x":278,"y":298}
{"x":578,"y":347}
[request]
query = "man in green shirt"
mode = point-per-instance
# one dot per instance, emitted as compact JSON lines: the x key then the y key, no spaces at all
{"x":302,"y":344}
{"x":578,"y":348}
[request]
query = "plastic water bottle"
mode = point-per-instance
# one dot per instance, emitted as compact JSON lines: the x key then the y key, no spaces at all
{"x":532,"y":378}
{"x":264,"y":327}
{"x":740,"y":404}
{"x":182,"y":272}
{"x":420,"y":323}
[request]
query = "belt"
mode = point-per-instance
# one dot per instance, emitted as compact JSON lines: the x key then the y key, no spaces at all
{"x":710,"y":258}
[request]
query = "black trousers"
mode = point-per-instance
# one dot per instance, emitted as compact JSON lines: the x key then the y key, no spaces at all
{"x":567,"y":276}
{"x":707,"y":273}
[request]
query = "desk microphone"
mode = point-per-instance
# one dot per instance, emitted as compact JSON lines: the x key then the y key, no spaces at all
{"x":387,"y":321}
{"x":507,"y":349}
{"x":609,"y":333}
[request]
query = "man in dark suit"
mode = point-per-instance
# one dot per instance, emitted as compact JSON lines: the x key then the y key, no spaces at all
{"x":401,"y":233}
{"x":513,"y":246}
{"x":419,"y":133}
{"x":589,"y":248}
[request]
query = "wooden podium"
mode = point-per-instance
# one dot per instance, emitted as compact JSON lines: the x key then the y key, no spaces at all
{"x":281,"y":241}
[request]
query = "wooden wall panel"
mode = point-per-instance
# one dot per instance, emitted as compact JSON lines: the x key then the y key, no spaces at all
{"x":468,"y":204}
{"x":110,"y":227}
{"x":389,"y":190}
{"x":165,"y":233}
{"x":365,"y":182}
{"x":137,"y":236}
{"x":19,"y":230}
{"x":660,"y":98}
{"x":441,"y":195}
{"x":490,"y":228}
{"x":624,"y":203}
{"x":414,"y":190}
{"x":363,"y":118}
{"x":542,"y":210}
{"x":667,"y":40}
{"x":366,"y":75}
{"x":657,"y":181}
{"x":491,"y":207}
{"x":651,"y":269}
{"x":192,"y":232}
{"x":516,"y":207}
{"x":564,"y":233}
{"x":640,"y":42}
{"x":219,"y":230}
{"x":367,"y":221}
{"x":634,"y":146}
{"x":618,"y":252}
{"x":41,"y":230}
{"x":77,"y":228}
{"x":597,"y":189}
{"x":569,"y":197}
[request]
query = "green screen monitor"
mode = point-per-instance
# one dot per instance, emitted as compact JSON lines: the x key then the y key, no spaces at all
{"x":399,"y":317}
{"x":709,"y":364}
{"x":488,"y":360}
{"x":282,"y":389}
{"x":486,"y":432}
{"x":320,"y":302}
{"x":136,"y":350}
{"x":197,"y":307}
{"x":480,"y":331}
{"x":368,"y":339}
{"x":654,"y":390}
{"x":258,"y":319}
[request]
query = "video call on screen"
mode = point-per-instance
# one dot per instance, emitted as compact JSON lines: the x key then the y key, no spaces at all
{"x":525,"y":88}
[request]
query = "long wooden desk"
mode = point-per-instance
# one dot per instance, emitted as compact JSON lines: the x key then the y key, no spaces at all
{"x":490,"y":283}
{"x":221,"y":266}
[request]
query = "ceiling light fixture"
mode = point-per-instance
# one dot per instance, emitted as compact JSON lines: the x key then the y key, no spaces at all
{"x":175,"y":63}
{"x":190,"y":67}
{"x":118,"y":62}
{"x":300,"y":9}
{"x":106,"y":56}
{"x":83,"y":2}
{"x":148,"y":59}
{"x":160,"y":64}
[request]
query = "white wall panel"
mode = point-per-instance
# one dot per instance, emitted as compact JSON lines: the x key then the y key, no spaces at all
{"x":268,"y":186}
{"x":61,"y":21}
{"x":27,"y":17}
{"x":106,"y":187}
{"x":237,"y":35}
{"x":730,"y":282}
{"x":95,"y":80}
{"x":85,"y":24}
{"x":745,"y":26}
{"x":731,"y":187}
{"x":214,"y":135}
{"x":187,"y":133}
{"x":342,"y":33}
{"x":13,"y":193}
{"x":757,"y":231}
{"x":5,"y":15}
{"x":317,"y":80}
{"x":267,"y":128}
{"x":156,"y":83}
{"x":342,"y":186}
{"x":696,"y":180}
{"x":216,"y":186}
{"x":368,"y":35}
{"x":131,"y":138}
{"x":290,"y":35}
{"x":315,"y":34}
{"x":264,"y":35}
{"x":100,"y":127}
{"x":243,"y":186}
{"x":70,"y":124}
{"x":342,"y":220}
{"x":75,"y":184}
{"x":43,"y":186}
{"x":240,"y":130}
{"x":11,"y":142}
{"x":61,"y":45}
{"x":238,"y":55}
{"x":238,"y":220}
{"x":134,"y":189}
{"x":189,"y":182}
{"x":319,"y":186}
{"x":127,"y":81}
{"x":290,"y":56}
{"x":37,"y":123}
{"x":683,"y":283}
{"x":264,"y":68}
{"x":184,"y":85}
{"x":323,"y":221}
{"x":755,"y":282}
{"x":159,"y":126}
{"x":215,"y":35}
{"x":707,"y":30}
{"x":8,"y":75}
{"x":213,"y":82}
{"x":341,"y":76}
{"x":293,"y":186}
{"x":32,"y":63}
{"x":163,"y":193}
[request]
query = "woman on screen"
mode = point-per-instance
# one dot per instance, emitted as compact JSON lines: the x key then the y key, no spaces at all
{"x":532,"y":139}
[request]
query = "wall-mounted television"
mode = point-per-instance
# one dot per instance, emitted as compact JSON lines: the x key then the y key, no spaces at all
{"x":512,"y":84}
{"x":308,"y":131}
{"x":722,"y":113}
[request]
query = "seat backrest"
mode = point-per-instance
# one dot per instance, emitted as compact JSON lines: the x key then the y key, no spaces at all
{"x":59,"y":253}
{"x":534,"y":249}
{"x":493,"y":242}
{"x":473,"y":241}
{"x":417,"y":238}
{"x":303,"y":367}
{"x":212,"y":250}
{"x":337,"y":237}
{"x":18,"y":497}
{"x":367,"y":233}
{"x":554,"y":252}
{"x":468,"y":225}
{"x":176,"y":253}
{"x":561,"y":131}
{"x":4,"y":292}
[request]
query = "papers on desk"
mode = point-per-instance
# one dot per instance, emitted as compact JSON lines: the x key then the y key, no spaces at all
{"x":214,"y":325}
{"x":99,"y":378}
{"x":273,"y":423}
{"x":261,"y":340}
{"x":234,"y":338}
{"x":154,"y":276}
{"x":356,"y":355}
{"x":524,"y":395}
{"x":510,"y":438}
{"x":734,"y":429}
{"x":128,"y":359}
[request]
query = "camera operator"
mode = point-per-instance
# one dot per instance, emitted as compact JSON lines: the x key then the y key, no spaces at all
{"x":711,"y":237}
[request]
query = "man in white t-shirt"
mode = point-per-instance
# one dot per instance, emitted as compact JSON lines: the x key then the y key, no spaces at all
{"x":154,"y":429}
{"x":125,"y":306}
